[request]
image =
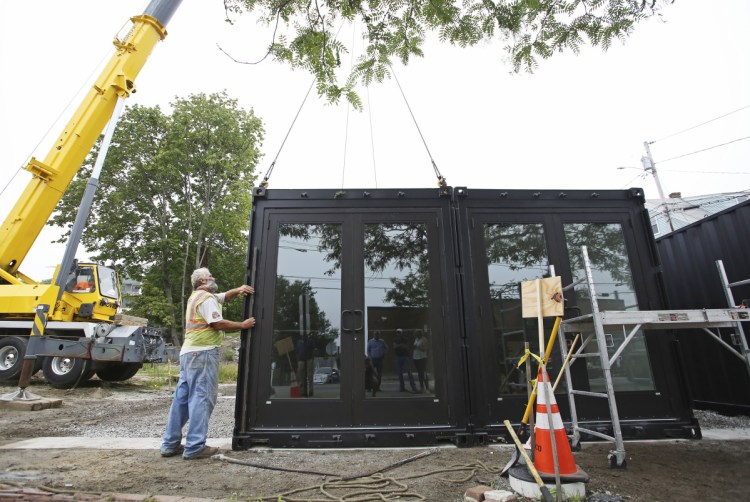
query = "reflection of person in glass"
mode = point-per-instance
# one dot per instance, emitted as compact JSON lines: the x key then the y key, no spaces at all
{"x":305,"y":351}
{"x":376,"y":351}
{"x":421,"y":347}
{"x":402,"y":348}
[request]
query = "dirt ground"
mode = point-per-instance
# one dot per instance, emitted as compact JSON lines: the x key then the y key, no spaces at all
{"x":656,"y":471}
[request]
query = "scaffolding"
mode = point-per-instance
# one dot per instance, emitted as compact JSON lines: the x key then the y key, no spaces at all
{"x":594,"y":324}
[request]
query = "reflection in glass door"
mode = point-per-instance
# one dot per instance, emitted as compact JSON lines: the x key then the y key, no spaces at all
{"x":613,"y":283}
{"x":306,"y":346}
{"x":516,"y":252}
{"x":399,"y":360}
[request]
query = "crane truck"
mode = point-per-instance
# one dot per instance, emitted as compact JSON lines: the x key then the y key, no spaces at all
{"x":73,"y":327}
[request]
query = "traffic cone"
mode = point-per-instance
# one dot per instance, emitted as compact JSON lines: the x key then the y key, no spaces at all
{"x":572,"y":477}
{"x":294,"y":388}
{"x":544,"y":460}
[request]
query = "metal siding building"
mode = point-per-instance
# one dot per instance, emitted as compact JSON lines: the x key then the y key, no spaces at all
{"x":717,"y":380}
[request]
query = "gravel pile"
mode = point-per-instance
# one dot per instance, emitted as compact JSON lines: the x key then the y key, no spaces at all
{"x":712,"y":420}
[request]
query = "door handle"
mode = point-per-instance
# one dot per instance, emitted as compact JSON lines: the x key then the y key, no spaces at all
{"x":361,"y":319}
{"x":344,"y":314}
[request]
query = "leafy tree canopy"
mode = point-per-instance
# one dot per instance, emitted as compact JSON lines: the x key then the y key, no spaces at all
{"x":305,"y":31}
{"x":175,"y":195}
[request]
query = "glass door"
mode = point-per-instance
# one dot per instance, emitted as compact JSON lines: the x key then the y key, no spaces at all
{"x":306,"y":350}
{"x":507,"y":250}
{"x":352,"y":328}
{"x":615,"y":289}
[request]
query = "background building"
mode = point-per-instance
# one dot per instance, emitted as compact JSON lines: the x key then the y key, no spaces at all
{"x":686,"y":210}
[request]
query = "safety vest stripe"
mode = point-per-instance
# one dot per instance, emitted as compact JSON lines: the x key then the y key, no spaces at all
{"x":194,"y":320}
{"x":194,"y":302}
{"x":198,"y":332}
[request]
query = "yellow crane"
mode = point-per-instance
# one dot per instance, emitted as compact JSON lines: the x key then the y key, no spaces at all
{"x":76,"y":316}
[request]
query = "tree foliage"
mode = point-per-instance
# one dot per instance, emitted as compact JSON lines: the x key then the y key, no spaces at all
{"x":286,"y":316}
{"x":387,"y":247}
{"x":174,"y":195}
{"x":304,"y":34}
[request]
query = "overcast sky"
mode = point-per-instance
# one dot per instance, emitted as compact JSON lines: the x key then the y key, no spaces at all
{"x":569,"y":125}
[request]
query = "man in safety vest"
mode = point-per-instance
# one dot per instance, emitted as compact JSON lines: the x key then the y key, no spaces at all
{"x":198,"y":386}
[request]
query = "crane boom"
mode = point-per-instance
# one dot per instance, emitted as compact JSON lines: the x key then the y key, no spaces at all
{"x":52,"y":175}
{"x":74,"y":327}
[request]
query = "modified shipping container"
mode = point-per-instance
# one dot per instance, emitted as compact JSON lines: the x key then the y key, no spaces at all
{"x":392,"y":317}
{"x":717,"y":380}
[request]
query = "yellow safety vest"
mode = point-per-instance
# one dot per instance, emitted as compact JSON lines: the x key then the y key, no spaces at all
{"x":198,"y":333}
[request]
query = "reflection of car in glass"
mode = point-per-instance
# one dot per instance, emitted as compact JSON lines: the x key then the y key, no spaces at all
{"x":326,"y":375}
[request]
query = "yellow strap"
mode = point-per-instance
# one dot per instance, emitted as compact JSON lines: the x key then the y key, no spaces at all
{"x":526,"y":355}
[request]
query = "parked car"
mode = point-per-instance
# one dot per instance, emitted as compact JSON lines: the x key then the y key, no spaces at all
{"x":326,"y":374}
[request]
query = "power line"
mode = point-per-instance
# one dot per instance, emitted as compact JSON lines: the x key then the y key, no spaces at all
{"x":626,"y":185}
{"x":704,"y":149}
{"x":701,"y":124}
{"x":703,"y":172}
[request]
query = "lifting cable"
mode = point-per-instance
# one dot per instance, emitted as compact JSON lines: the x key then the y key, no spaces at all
{"x":346,"y":127}
{"x":264,"y":183}
{"x":369,"y":116}
{"x":441,"y":180}
{"x":372,"y":138}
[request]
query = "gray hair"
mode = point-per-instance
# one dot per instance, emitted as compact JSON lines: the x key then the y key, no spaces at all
{"x":198,"y":275}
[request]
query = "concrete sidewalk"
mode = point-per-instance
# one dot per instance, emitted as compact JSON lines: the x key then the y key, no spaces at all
{"x":50,"y":443}
{"x":99,"y":443}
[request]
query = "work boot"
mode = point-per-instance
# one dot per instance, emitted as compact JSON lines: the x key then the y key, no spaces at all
{"x":206,"y":452}
{"x":173,"y":453}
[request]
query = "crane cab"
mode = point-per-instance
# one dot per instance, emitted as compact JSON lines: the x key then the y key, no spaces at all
{"x":92,"y":293}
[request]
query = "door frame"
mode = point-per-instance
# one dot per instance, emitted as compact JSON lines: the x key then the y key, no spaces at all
{"x":379,"y":421}
{"x":664,"y":412}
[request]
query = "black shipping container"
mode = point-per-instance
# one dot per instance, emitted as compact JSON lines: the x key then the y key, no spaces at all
{"x":717,"y":379}
{"x":393,"y":316}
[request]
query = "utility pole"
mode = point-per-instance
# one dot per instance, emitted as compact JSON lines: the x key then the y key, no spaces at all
{"x":650,"y":166}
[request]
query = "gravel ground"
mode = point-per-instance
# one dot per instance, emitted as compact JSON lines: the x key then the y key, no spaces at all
{"x":713,"y":420}
{"x":110,"y":417}
{"x":657,"y":471}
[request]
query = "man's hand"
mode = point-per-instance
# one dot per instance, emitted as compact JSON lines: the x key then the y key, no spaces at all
{"x":248,"y":323}
{"x":243,"y":290}
{"x":226,"y":325}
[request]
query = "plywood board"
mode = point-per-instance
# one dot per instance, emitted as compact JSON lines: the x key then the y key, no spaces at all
{"x":552,"y":297}
{"x":284,"y":346}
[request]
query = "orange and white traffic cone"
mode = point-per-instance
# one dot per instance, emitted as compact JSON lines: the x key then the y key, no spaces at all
{"x":544,"y":459}
{"x":572,"y":477}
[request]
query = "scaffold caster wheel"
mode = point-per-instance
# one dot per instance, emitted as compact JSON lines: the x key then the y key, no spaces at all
{"x":614,"y":464}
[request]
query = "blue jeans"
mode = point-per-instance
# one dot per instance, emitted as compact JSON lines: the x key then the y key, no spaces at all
{"x":403,"y":364}
{"x":194,"y":399}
